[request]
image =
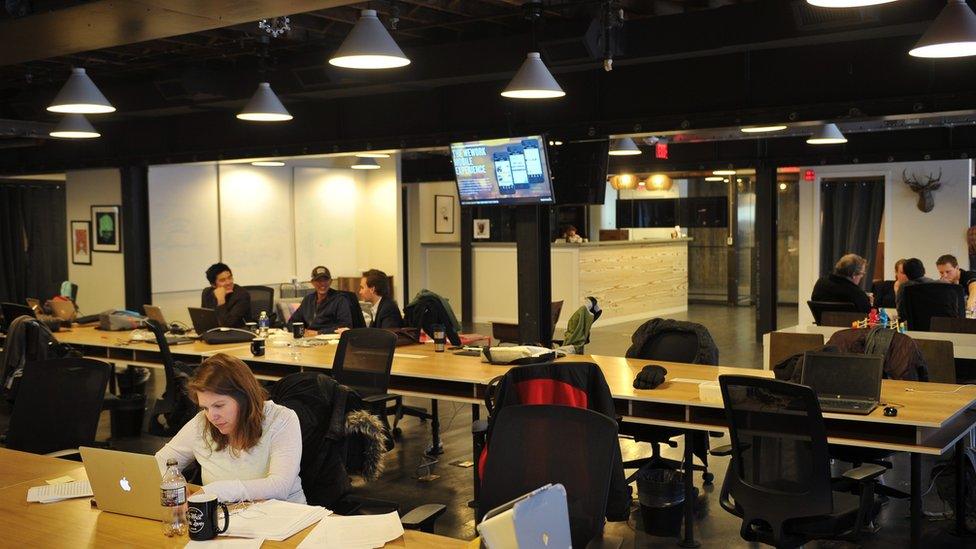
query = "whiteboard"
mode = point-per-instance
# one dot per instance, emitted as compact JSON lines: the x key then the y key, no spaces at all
{"x":256,"y":226}
{"x":328,"y":206}
{"x":183,"y":225}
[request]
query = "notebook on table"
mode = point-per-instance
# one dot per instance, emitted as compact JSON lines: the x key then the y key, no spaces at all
{"x":845,"y":383}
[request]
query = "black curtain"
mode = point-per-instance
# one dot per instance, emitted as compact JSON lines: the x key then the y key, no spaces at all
{"x":851,"y":212}
{"x":33,"y":240}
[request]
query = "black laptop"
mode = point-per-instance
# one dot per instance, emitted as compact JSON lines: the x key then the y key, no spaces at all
{"x":203,"y":319}
{"x":844,"y":383}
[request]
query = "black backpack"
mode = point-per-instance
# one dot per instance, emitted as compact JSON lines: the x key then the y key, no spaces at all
{"x":321,"y":405}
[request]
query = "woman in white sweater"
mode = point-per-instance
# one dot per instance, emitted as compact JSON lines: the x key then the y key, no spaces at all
{"x":248,"y":448}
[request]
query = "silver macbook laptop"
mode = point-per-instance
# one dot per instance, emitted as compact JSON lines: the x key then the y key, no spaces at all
{"x":537,"y":520}
{"x":123,"y":482}
{"x":155,"y":313}
{"x":844,"y":383}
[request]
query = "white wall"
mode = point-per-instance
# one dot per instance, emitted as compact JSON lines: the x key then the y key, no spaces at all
{"x":101,"y":285}
{"x":908,"y":232}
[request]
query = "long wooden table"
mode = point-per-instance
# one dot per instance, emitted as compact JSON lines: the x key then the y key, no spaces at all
{"x":75,"y":523}
{"x":932,"y":417}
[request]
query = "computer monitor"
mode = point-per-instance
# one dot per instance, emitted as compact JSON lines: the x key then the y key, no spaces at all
{"x":502,"y":171}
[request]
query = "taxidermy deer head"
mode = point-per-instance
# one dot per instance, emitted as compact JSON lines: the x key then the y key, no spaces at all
{"x":924,"y":190}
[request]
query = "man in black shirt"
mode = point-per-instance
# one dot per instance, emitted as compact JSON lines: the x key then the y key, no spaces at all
{"x":230,"y":302}
{"x":950,"y":272}
{"x":915,"y":273}
{"x":325,"y":310}
{"x":843,"y":284}
{"x":375,"y":288}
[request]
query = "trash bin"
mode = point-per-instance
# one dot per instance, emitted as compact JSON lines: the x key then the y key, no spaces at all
{"x":133,"y":380}
{"x":661,"y":494}
{"x":127,"y":415}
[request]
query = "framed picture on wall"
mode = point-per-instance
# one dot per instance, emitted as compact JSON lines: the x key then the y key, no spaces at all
{"x":443,"y":214}
{"x":107,"y":224}
{"x":482,"y":228}
{"x":81,"y":242}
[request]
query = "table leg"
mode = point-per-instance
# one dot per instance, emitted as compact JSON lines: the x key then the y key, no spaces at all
{"x":960,"y":487}
{"x":689,"y":538}
{"x":436,"y":448}
{"x":916,"y":505}
{"x":475,"y":416}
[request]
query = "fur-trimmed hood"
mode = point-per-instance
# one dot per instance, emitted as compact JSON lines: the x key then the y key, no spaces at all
{"x":366,"y":431}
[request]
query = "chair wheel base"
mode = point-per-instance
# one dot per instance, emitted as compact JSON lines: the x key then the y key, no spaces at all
{"x":434,"y":450}
{"x":689,"y":543}
{"x":707,"y":478}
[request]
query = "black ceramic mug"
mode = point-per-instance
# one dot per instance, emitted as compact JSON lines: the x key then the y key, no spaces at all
{"x":298,"y":330}
{"x":201,"y":516}
{"x":257,"y":346}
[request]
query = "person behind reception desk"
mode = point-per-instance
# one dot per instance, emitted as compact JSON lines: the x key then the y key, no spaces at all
{"x":569,"y":235}
{"x":248,"y":448}
{"x":325,"y":310}
{"x":230,"y":302}
{"x":374,"y":287}
{"x":949,"y":271}
{"x":843,"y":284}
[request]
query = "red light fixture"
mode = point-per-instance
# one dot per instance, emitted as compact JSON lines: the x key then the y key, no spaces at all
{"x":809,"y":175}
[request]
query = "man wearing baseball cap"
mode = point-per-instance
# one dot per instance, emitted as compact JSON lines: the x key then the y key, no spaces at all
{"x":325,"y":310}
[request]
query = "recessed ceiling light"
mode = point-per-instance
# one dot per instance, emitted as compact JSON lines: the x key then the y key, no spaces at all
{"x":372,"y":155}
{"x":369,"y":46}
{"x":714,"y":178}
{"x":264,"y":106}
{"x":365,"y":164}
{"x":828,"y":134}
{"x":763,"y":129}
{"x":624,"y":147}
{"x":80,"y":95}
{"x":952,"y":34}
{"x":723,"y":172}
{"x":847,"y":3}
{"x":268,"y":163}
{"x":74,"y":126}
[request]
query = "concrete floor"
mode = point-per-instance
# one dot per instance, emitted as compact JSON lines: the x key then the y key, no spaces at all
{"x":733,"y":331}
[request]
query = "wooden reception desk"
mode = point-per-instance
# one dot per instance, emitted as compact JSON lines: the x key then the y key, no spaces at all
{"x":631,"y":279}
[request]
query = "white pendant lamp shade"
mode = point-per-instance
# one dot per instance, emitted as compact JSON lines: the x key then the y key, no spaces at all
{"x":81,"y":96}
{"x":952,"y":34}
{"x":264,"y":106}
{"x":847,"y":3}
{"x":74,"y":126}
{"x":624,"y":147}
{"x":365,"y":164}
{"x":828,"y":134}
{"x":533,"y":81}
{"x":369,"y":46}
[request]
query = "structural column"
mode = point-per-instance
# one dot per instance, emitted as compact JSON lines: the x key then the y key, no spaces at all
{"x":534,"y":272}
{"x":766,"y":255}
{"x":135,"y":236}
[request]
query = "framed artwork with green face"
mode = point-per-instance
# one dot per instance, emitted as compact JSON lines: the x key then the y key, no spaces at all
{"x":106,"y":229}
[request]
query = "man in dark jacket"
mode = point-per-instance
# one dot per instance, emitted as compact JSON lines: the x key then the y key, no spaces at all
{"x":915,"y":274}
{"x":230,"y":302}
{"x":325,"y":310}
{"x":843,"y":284}
{"x":374,"y":287}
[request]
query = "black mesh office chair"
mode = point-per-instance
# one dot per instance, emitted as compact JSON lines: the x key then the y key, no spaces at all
{"x":262,"y":299}
{"x":778,"y":480}
{"x":363,"y":362}
{"x":11,"y":311}
{"x":529,"y":449}
{"x":921,"y":302}
{"x":818,"y":308}
{"x":355,"y":311}
{"x":668,"y":346}
{"x":840,"y":319}
{"x":58,"y":405}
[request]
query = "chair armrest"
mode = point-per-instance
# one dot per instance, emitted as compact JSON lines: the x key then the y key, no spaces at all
{"x":721,"y":451}
{"x":479,"y":427}
{"x":422,"y":518}
{"x":373,"y":399}
{"x":868,"y":471}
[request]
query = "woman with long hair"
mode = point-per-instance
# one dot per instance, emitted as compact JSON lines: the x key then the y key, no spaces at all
{"x":248,"y":448}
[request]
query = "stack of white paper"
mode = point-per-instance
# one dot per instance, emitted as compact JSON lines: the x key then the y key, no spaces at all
{"x":356,"y":532}
{"x":58,"y":492}
{"x":273,"y":520}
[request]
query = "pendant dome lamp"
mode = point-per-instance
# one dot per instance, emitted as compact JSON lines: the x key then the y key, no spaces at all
{"x":624,"y":147}
{"x":264,"y":106}
{"x":74,"y":126}
{"x":952,"y":34}
{"x":80,"y":95}
{"x":533,"y":79}
{"x":828,"y":134}
{"x":369,"y":46}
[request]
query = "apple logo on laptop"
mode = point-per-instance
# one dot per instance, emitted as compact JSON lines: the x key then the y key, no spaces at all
{"x":124,"y":483}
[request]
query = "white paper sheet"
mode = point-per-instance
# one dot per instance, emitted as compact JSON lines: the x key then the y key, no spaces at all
{"x":226,"y":543}
{"x":356,"y":532}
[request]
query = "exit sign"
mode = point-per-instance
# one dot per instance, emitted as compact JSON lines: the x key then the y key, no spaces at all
{"x":661,"y":151}
{"x":809,"y":175}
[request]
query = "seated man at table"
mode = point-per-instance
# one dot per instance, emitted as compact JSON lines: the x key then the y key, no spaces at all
{"x":230,"y":302}
{"x":885,"y":290}
{"x":374,"y":287}
{"x":915,"y":273}
{"x":949,"y":271}
{"x":325,"y":310}
{"x":843,"y":283}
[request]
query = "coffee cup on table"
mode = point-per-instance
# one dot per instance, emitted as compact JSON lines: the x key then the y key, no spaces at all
{"x":201,"y":516}
{"x":298,"y":330}
{"x":257,"y":346}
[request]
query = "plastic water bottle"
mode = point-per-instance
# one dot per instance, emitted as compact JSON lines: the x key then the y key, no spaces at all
{"x":263,"y":323}
{"x":172,"y":496}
